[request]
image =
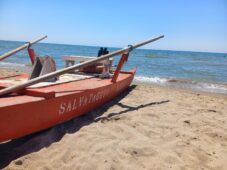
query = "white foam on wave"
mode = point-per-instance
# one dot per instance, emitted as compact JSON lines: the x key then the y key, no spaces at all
{"x":218,"y":88}
{"x":150,"y":80}
{"x":185,"y":84}
{"x":10,"y":65}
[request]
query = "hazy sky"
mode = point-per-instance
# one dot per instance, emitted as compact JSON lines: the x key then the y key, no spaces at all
{"x":195,"y":25}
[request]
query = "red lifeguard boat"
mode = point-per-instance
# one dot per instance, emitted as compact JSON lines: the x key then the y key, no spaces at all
{"x":31,"y":105}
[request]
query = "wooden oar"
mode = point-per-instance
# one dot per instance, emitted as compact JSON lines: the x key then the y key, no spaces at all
{"x":71,"y":68}
{"x":21,"y":48}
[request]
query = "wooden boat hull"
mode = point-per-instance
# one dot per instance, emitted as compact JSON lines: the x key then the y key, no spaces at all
{"x":26,"y":114}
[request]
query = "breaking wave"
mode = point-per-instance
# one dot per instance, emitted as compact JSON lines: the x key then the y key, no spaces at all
{"x":150,"y":80}
{"x":182,"y":83}
{"x":10,"y":65}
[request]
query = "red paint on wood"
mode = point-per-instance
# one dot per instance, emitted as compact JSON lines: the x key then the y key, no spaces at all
{"x":123,"y":59}
{"x":32,"y":55}
{"x":23,"y":114}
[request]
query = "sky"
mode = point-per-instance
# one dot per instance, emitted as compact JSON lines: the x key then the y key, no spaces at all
{"x":188,"y":25}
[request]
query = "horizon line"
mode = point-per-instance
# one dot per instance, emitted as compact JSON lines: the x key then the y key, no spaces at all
{"x":120,"y":47}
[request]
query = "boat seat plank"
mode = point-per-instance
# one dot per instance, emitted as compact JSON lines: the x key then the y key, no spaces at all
{"x":72,"y":59}
{"x":38,"y":93}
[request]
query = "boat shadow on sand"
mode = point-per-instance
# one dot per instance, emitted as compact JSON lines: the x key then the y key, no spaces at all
{"x":14,"y":149}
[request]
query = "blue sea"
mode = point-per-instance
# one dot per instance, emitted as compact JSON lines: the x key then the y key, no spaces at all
{"x":199,"y":71}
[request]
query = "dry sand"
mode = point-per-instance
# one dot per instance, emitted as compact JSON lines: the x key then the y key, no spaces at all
{"x":9,"y":72}
{"x":147,"y":127}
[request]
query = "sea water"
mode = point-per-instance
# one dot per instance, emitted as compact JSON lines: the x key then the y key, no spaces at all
{"x":200,"y":71}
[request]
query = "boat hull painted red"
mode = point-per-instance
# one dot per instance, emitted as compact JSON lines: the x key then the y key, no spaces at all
{"x":24,"y":114}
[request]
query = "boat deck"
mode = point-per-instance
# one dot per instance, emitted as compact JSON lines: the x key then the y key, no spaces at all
{"x":67,"y":84}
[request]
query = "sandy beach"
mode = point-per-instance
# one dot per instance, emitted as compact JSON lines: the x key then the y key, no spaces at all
{"x":147,"y":127}
{"x":9,"y":72}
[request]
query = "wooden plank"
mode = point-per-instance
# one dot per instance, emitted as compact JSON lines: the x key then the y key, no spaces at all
{"x":77,"y":58}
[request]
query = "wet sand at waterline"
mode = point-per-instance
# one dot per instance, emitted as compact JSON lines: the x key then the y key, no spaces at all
{"x":147,"y":127}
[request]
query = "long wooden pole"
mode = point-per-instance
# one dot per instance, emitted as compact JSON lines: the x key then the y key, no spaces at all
{"x":71,"y":68}
{"x":21,"y":48}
